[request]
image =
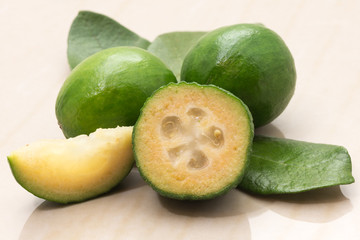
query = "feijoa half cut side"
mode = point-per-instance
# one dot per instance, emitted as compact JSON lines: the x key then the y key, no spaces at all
{"x":192,"y":142}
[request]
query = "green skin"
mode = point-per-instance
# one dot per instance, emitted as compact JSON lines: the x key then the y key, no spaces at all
{"x":108,"y":89}
{"x":173,"y":193}
{"x":248,"y":60}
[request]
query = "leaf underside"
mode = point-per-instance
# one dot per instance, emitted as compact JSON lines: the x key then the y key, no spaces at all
{"x":172,"y":48}
{"x":289,"y":166}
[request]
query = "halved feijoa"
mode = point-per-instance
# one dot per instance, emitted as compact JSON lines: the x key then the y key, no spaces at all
{"x":74,"y":169}
{"x":192,"y":141}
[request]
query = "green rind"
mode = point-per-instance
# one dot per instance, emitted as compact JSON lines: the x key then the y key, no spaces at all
{"x":92,"y":32}
{"x":175,"y":195}
{"x":108,"y":89}
{"x":250,"y":61}
{"x":172,"y":48}
{"x":54,"y":196}
{"x":280,"y":166}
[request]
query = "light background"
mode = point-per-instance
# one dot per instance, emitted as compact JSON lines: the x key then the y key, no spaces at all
{"x":323,"y":36}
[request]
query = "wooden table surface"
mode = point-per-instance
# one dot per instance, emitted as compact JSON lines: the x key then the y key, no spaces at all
{"x":323,"y":36}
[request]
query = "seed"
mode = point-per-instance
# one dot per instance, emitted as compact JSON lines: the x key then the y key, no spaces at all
{"x":175,"y":153}
{"x":196,"y":113}
{"x":170,"y":126}
{"x":198,"y":160}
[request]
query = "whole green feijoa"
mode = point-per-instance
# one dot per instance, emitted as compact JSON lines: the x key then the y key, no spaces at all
{"x":108,"y":89}
{"x":249,"y":60}
{"x":192,"y":142}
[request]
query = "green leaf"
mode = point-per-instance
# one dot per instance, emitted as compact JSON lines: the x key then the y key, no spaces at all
{"x":91,"y":32}
{"x":289,"y":166}
{"x":172,"y":48}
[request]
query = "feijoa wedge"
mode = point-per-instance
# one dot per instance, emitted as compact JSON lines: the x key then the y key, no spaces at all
{"x":74,"y":169}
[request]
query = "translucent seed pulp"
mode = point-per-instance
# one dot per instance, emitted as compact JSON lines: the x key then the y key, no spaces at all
{"x":171,"y":126}
{"x":198,"y":160}
{"x":216,"y":136}
{"x":176,"y":152}
{"x":196,"y":113}
{"x":213,"y":136}
{"x":192,"y":137}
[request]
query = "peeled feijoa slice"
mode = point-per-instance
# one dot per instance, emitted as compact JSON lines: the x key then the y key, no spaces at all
{"x":74,"y":169}
{"x":192,"y":141}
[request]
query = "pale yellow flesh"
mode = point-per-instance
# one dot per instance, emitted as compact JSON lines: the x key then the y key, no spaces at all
{"x":71,"y":169}
{"x":182,"y":161}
